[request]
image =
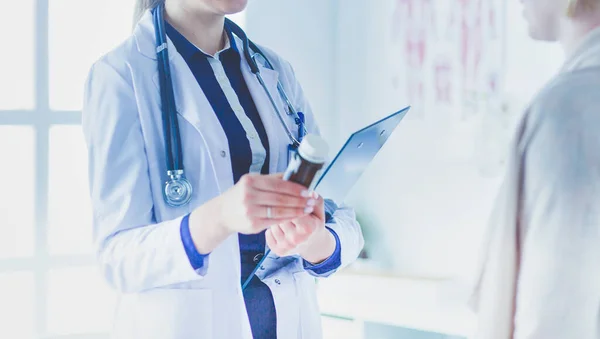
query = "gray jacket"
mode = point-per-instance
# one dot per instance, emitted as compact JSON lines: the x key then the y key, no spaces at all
{"x":540,"y":277}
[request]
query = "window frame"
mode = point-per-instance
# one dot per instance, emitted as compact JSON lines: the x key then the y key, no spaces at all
{"x":41,"y":118}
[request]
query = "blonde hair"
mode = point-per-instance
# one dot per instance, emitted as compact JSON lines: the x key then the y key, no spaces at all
{"x":141,"y":6}
{"x":579,"y":6}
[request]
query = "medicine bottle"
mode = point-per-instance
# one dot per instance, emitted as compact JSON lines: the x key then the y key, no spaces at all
{"x":307,"y":161}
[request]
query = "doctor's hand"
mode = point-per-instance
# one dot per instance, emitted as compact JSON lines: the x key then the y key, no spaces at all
{"x":259,"y":201}
{"x":249,"y":207}
{"x":305,"y":236}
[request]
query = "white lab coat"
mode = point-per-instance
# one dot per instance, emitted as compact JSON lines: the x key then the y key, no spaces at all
{"x":540,"y":277}
{"x":138,"y":236}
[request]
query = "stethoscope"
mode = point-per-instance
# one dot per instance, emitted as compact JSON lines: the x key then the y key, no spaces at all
{"x":178,"y":190}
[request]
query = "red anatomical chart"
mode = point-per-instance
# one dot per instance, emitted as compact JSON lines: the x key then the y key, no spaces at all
{"x":449,"y":53}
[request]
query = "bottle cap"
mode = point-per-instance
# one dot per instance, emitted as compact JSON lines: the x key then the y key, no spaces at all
{"x":313,"y":148}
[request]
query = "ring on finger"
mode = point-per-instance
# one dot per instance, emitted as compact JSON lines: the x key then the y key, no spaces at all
{"x":269,"y":212}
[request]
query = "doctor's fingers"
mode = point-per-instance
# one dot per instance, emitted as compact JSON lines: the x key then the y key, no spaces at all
{"x":275,"y":183}
{"x":295,"y":234}
{"x":282,"y":200}
{"x":280,"y":240}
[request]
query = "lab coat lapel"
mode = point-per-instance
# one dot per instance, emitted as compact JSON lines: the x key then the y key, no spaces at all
{"x":190,"y":101}
{"x":194,"y":107}
{"x":264,"y":107}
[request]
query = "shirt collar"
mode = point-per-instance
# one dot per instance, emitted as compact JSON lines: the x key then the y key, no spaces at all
{"x":188,"y":49}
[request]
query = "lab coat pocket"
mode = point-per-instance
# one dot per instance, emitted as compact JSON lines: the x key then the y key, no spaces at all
{"x":165,"y":314}
{"x":310,"y":317}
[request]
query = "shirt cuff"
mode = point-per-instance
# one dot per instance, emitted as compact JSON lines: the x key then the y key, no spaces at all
{"x":198,"y":261}
{"x":331,"y":263}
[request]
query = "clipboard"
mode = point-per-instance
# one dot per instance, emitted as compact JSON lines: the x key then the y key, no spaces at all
{"x":354,"y":157}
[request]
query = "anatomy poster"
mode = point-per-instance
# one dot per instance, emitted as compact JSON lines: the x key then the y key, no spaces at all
{"x":447,"y":55}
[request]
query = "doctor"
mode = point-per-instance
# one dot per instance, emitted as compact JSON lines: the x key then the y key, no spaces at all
{"x":179,"y":253}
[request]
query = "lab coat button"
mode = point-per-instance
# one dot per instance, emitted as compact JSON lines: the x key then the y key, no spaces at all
{"x":223,"y":154}
{"x":278,"y":282}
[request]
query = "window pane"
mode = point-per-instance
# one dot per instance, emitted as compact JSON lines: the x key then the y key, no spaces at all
{"x":78,"y":302}
{"x":80,"y":32}
{"x":17,"y":193}
{"x":69,"y":208}
{"x":16,"y":308}
{"x":17,"y":60}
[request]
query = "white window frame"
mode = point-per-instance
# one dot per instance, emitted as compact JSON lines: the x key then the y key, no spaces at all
{"x":41,"y":118}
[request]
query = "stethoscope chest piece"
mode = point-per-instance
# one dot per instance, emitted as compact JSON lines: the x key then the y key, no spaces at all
{"x":178,"y":190}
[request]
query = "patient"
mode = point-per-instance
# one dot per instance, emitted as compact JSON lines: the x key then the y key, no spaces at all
{"x":540,"y":277}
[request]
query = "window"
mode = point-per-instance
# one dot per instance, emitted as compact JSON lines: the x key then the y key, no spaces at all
{"x":79,"y":32}
{"x":67,"y":183}
{"x":17,"y":69}
{"x":16,"y":308}
{"x":50,"y":286}
{"x":17,"y":194}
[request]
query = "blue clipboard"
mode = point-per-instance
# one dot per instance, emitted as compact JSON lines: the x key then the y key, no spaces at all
{"x":352,"y":160}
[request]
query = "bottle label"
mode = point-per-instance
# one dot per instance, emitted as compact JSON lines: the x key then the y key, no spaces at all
{"x":292,"y":151}
{"x":293,"y":164}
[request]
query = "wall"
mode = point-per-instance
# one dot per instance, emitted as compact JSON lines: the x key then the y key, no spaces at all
{"x":424,"y":217}
{"x":302,"y":32}
{"x":529,"y":64}
{"x":378,"y":331}
{"x":426,"y":198}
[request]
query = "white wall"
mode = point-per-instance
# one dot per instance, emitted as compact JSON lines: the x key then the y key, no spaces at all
{"x":302,"y":32}
{"x":423,"y":201}
{"x":529,"y":63}
{"x":427,"y":197}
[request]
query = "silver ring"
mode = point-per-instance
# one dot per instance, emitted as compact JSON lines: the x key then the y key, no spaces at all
{"x":269,"y":216}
